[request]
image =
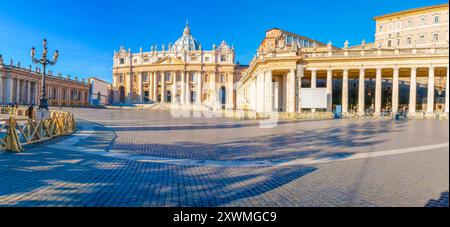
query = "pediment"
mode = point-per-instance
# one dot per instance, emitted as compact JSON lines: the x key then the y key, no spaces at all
{"x":169,"y":61}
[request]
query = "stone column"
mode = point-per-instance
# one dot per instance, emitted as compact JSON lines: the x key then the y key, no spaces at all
{"x":188,"y":87}
{"x":229,"y":91}
{"x":199,"y":87}
{"x":60,"y":98}
{"x":36,"y":92}
{"x":378,"y":90}
{"x":290,"y":105}
{"x":330,"y":90}
{"x":361,"y":91}
{"x":2,"y":89}
{"x":313,"y":82}
{"x":140,"y":87}
{"x":345,"y":91}
{"x":10,"y":89}
{"x":174,"y":87}
{"x":395,"y":90}
{"x":212,"y":88}
{"x":313,"y":78}
{"x":183,"y":87}
{"x":269,"y":91}
{"x":430,"y":97}
{"x":258,"y":103}
{"x":155,"y":87}
{"x":128,"y":88}
{"x":163,"y":87}
{"x":446,"y":94}
{"x":28,"y":92}
{"x":18,"y":90}
{"x":255,"y":93}
{"x":300,"y":74}
{"x":413,"y":91}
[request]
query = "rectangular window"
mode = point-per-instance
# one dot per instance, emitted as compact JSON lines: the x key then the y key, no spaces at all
{"x":167,"y":77}
{"x":289,"y":39}
{"x":206,"y":59}
{"x":380,"y":29}
{"x":145,"y":77}
{"x":391,"y":27}
{"x":436,"y":19}
{"x":122,"y":61}
{"x":410,"y":23}
{"x":435,"y":37}
{"x":222,"y":78}
{"x":422,"y":21}
{"x":422,"y":39}
{"x":223,"y":58}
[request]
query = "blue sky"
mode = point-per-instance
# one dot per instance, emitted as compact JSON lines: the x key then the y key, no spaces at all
{"x":87,"y":32}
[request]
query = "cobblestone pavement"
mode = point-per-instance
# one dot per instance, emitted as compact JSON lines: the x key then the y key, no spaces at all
{"x":79,"y":174}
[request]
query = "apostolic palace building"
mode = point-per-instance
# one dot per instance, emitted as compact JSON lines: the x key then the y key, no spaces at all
{"x":405,"y":69}
{"x":22,"y":86}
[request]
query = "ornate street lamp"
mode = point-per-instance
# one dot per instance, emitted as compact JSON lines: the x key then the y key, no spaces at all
{"x":43,"y":104}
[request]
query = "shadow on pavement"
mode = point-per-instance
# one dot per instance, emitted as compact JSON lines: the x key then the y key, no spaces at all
{"x":334,"y":142}
{"x":441,"y":202}
{"x":43,"y":177}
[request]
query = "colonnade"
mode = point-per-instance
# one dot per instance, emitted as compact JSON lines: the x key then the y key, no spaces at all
{"x":362,"y":71}
{"x":263,"y":92}
{"x":183,"y":87}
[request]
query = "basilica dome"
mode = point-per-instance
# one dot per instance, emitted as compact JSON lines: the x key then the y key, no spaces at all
{"x":187,"y":42}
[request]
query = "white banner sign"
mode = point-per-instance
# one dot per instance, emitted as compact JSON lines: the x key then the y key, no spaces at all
{"x":314,"y":98}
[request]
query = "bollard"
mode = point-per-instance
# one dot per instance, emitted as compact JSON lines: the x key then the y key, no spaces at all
{"x":12,"y":139}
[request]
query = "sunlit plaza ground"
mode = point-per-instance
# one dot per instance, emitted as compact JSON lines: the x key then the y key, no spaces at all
{"x":148,"y":158}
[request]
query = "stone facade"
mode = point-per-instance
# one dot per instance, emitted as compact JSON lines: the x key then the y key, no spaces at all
{"x":421,"y":27}
{"x":182,"y":73}
{"x":282,"y":68}
{"x":22,"y":86}
{"x":100,"y":90}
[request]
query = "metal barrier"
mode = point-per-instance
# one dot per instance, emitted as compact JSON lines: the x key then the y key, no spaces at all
{"x":17,"y":130}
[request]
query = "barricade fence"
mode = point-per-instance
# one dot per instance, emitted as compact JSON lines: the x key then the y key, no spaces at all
{"x":18,"y":130}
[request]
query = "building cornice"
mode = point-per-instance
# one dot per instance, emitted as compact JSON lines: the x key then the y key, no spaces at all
{"x":445,"y":5}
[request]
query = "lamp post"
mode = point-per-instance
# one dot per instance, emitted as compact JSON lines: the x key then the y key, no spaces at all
{"x":43,"y":104}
